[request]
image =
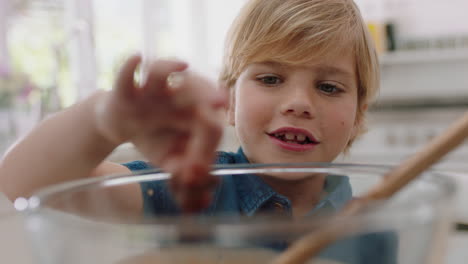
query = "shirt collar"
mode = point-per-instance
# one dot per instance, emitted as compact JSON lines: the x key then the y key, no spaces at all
{"x":253,"y":192}
{"x":337,"y":192}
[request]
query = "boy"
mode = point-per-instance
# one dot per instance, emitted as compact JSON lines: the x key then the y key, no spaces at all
{"x":300,"y":74}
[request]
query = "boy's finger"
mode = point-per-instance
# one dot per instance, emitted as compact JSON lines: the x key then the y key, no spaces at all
{"x":218,"y":100}
{"x":164,"y":146}
{"x":195,"y":195}
{"x":193,"y":201}
{"x":210,"y":131}
{"x":201,"y":149}
{"x":158,"y":73}
{"x":125,"y":84}
{"x":202,"y":87}
{"x":210,"y":95}
{"x":189,"y":88}
{"x":192,"y":180}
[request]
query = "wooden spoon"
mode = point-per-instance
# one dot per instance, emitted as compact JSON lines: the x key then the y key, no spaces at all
{"x":310,"y":245}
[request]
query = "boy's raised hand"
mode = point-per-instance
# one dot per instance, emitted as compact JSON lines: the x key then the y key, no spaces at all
{"x":173,"y":119}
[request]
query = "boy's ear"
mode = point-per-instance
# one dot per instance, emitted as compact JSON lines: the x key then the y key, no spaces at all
{"x":231,"y":110}
{"x":358,"y":123}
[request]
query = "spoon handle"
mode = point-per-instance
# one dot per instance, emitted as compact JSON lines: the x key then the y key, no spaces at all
{"x":422,"y":160}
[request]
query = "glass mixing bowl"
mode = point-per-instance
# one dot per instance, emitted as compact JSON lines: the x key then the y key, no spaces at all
{"x":83,"y":221}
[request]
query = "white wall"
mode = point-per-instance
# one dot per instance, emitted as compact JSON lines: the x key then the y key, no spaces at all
{"x":420,"y":18}
{"x":200,"y":27}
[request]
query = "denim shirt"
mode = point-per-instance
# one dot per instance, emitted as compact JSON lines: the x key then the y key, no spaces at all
{"x":249,"y":194}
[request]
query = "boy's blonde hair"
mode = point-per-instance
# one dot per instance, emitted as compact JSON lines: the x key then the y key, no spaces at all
{"x":297,"y":31}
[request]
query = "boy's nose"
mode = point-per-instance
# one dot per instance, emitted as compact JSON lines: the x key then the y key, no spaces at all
{"x":299,"y":105}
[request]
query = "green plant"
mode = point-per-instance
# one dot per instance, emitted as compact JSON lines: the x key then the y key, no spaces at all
{"x":13,"y":86}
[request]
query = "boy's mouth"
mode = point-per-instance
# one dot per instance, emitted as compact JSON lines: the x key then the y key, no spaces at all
{"x":294,"y":136}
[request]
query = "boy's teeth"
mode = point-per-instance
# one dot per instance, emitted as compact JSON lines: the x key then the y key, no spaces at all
{"x":290,"y":136}
{"x":300,"y":137}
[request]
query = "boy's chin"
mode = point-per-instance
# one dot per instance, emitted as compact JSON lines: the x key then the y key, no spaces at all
{"x":293,"y":176}
{"x":281,"y":157}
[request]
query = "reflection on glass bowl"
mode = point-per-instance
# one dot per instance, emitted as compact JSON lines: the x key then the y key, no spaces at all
{"x":82,"y":221}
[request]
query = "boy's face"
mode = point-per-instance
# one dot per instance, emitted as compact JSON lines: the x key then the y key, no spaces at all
{"x":286,"y":113}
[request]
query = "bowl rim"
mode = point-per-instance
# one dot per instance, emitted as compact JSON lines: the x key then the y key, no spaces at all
{"x":402,"y":215}
{"x":442,"y":179}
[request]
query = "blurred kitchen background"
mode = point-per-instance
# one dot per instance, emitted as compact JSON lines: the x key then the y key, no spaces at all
{"x":52,"y":53}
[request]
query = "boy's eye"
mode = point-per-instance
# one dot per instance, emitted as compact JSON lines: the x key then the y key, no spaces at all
{"x":269,"y":79}
{"x":329,"y":88}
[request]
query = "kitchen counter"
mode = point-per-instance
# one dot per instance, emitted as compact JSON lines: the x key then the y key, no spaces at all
{"x":13,"y":240}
